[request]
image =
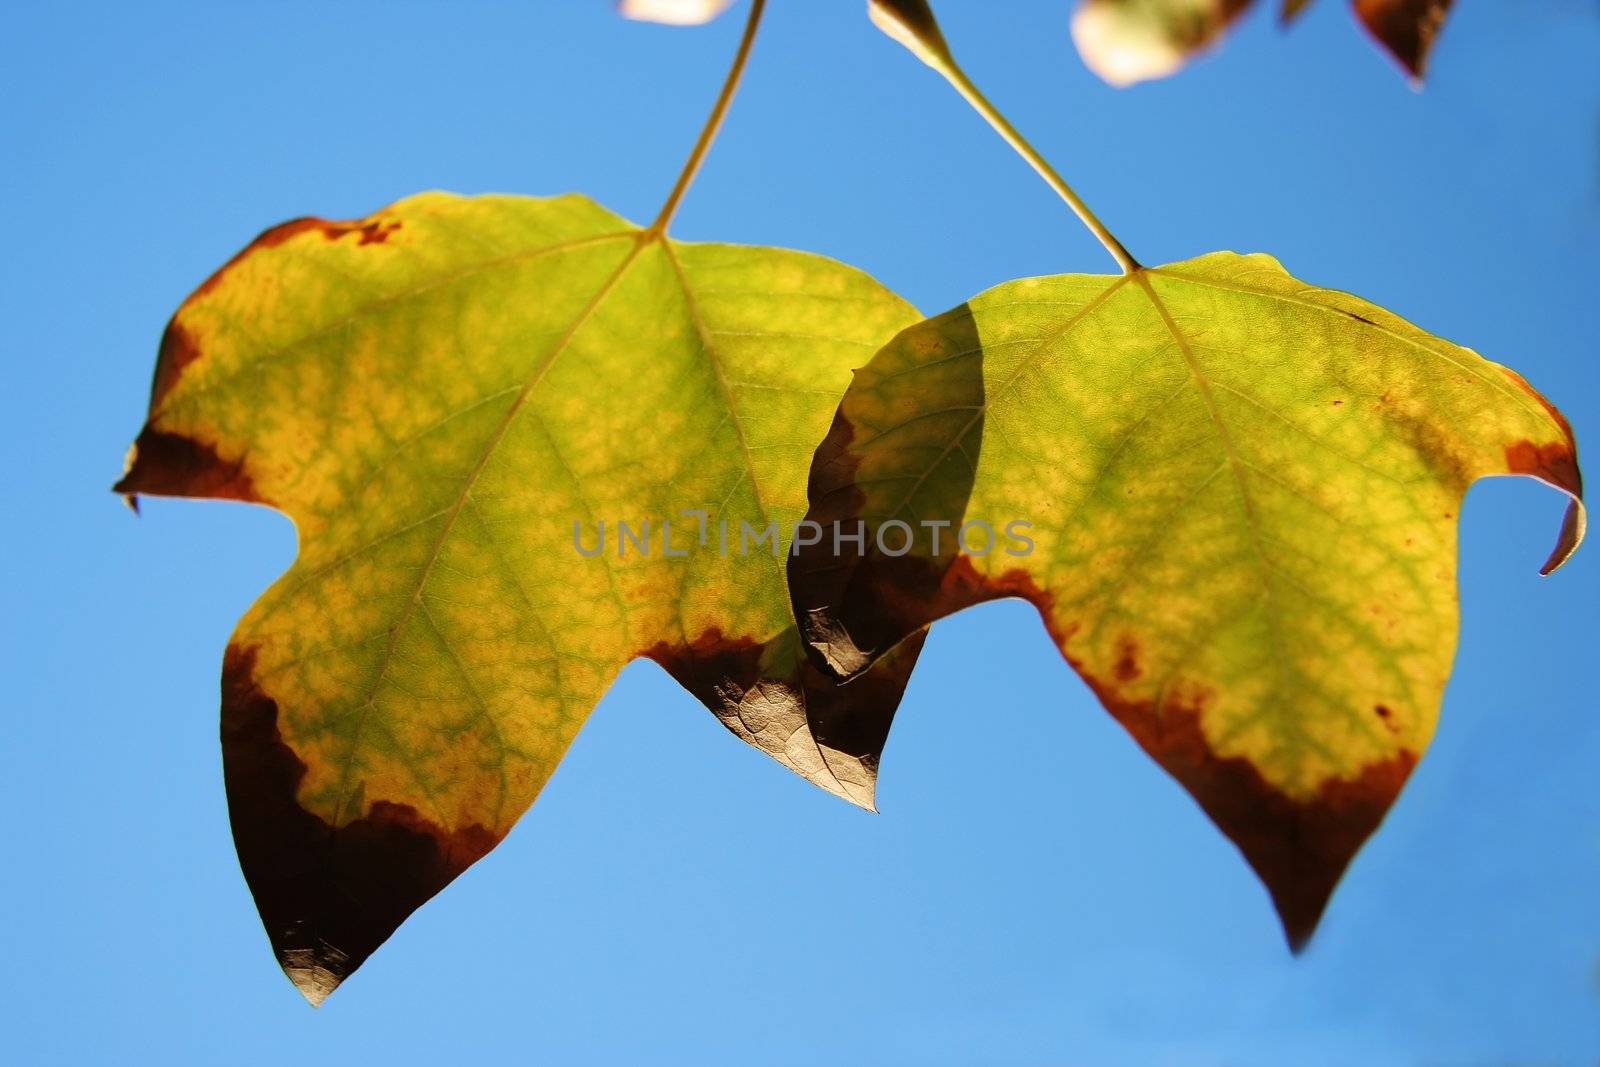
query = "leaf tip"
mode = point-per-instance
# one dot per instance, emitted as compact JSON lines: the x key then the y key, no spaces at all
{"x":123,"y":486}
{"x":1555,"y":463}
{"x":1298,"y":841}
{"x":173,"y":464}
{"x":1300,"y":906}
{"x":1573,"y":524}
{"x":314,"y":976}
{"x":854,"y":788}
{"x":1299,"y":939}
{"x":858,"y":794}
{"x":1315,"y":840}
{"x":1406,"y":30}
{"x":328,"y":895}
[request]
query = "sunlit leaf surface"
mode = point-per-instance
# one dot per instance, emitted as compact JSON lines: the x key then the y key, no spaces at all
{"x":1240,"y":495}
{"x":448,"y":398}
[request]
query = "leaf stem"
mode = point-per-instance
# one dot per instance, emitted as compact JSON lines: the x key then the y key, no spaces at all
{"x":980,"y":103}
{"x":713,"y":122}
{"x":911,"y":23}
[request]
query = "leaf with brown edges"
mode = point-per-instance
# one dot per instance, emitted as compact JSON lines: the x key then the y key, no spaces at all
{"x":448,"y":397}
{"x":1237,"y":499}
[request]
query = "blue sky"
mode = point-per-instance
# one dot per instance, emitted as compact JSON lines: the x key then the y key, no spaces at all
{"x":1044,"y":896}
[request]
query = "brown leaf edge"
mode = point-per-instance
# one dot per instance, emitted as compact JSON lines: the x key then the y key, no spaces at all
{"x":330,"y":896}
{"x":850,"y":613}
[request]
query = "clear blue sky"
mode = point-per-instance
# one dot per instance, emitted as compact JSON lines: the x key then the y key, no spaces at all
{"x":1046,"y":898}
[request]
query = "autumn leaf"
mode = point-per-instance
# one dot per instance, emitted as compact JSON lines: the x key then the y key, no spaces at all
{"x":449,"y":398}
{"x":1129,"y":41}
{"x":523,"y":442}
{"x":1232,"y":498}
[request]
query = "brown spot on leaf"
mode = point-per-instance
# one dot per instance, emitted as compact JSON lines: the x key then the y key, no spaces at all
{"x":1299,"y":848}
{"x":328,"y":896}
{"x":169,"y":464}
{"x":1386,"y":714}
{"x":370,"y":231}
{"x":1127,"y":668}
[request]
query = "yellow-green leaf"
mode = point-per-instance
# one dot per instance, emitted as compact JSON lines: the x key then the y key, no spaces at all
{"x":1243,"y":495}
{"x":436,"y":395}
